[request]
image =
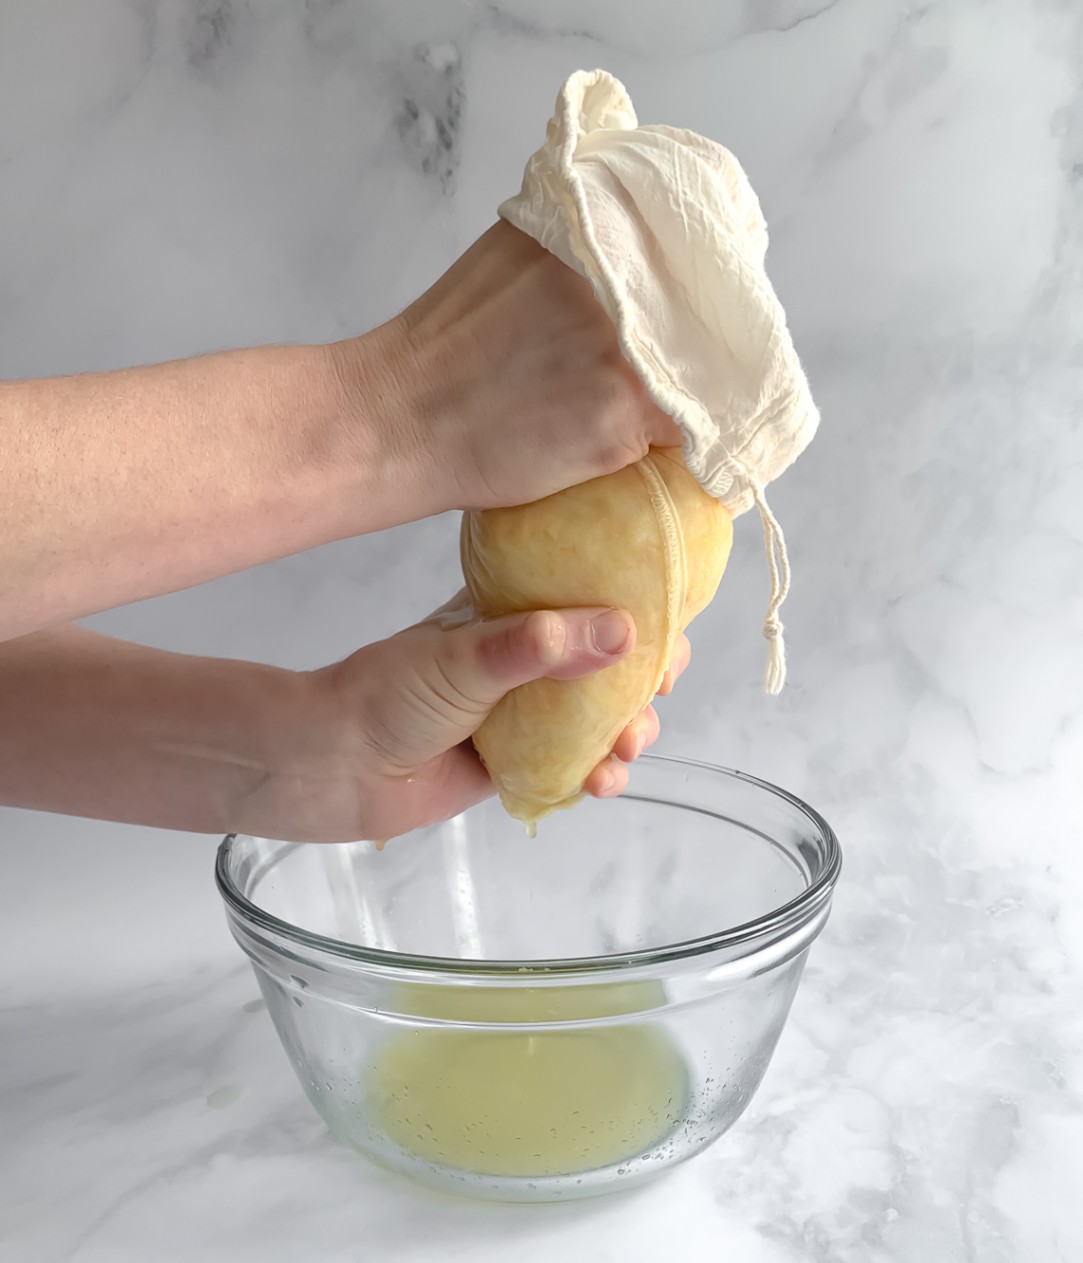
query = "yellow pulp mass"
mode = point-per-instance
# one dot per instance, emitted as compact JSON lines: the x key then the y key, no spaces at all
{"x":648,"y":540}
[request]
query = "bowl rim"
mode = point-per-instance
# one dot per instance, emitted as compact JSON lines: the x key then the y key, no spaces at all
{"x":796,"y":912}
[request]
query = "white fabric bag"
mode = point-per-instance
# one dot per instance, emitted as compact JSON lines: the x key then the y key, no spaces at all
{"x":667,"y":229}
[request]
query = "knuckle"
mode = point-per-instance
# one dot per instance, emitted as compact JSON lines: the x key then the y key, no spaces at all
{"x":528,"y":644}
{"x":544,"y":637}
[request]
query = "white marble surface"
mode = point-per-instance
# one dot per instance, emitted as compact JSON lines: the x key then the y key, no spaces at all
{"x":177,"y":175}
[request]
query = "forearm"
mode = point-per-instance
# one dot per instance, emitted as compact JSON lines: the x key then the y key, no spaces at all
{"x":502,"y":384}
{"x":92,"y":726}
{"x":123,"y":485}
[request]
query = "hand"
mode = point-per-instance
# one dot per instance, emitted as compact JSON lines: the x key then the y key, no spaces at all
{"x":502,"y":384}
{"x":385,"y":747}
{"x":510,"y":382}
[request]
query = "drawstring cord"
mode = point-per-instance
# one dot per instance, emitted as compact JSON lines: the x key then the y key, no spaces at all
{"x":729,"y":472}
{"x":778,"y":565}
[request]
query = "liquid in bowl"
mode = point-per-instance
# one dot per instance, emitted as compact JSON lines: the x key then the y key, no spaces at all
{"x":530,"y":1020}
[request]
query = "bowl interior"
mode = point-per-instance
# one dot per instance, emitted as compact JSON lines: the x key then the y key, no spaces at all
{"x":693,"y":852}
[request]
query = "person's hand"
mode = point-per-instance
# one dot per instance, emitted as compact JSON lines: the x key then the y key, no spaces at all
{"x":384,"y":745}
{"x":508,"y":381}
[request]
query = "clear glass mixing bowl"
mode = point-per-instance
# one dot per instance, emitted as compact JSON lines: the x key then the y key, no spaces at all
{"x":533,"y":1020}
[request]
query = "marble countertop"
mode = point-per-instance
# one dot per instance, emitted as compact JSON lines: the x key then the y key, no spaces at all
{"x":177,"y":176}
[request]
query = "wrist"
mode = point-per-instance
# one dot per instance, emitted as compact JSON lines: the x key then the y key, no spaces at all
{"x":388,"y":433}
{"x":298,"y":764}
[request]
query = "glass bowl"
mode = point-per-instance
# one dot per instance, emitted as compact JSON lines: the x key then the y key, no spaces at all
{"x":536,"y":1020}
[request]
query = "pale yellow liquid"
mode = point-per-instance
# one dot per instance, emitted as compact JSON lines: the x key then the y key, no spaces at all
{"x":528,"y":1103}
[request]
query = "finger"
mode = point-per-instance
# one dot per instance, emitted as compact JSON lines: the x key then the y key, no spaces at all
{"x":479,"y":663}
{"x":641,"y":732}
{"x":681,"y":657}
{"x":607,"y":780}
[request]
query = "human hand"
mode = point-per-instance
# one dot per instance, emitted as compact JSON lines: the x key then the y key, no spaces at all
{"x":508,"y":382}
{"x":383,"y":745}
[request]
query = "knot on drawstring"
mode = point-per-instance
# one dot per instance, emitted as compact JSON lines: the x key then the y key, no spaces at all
{"x":774,"y":673}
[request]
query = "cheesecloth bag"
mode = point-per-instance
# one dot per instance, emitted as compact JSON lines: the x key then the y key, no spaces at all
{"x":665,"y":226}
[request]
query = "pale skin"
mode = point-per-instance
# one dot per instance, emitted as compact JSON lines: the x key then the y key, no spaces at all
{"x":502,"y":384}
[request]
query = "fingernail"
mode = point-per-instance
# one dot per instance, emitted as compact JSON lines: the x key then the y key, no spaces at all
{"x":609,"y":782}
{"x":610,"y":632}
{"x":641,"y":744}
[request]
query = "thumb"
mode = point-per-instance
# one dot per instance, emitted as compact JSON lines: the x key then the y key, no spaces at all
{"x":476,"y":665}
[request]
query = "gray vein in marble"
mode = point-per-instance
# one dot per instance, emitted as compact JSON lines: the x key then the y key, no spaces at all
{"x":212,"y":24}
{"x":430,"y":85}
{"x":678,"y":29}
{"x":774,"y":17}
